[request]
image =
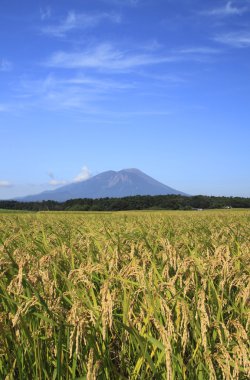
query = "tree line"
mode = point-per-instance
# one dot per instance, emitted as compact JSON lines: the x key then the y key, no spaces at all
{"x":139,"y":202}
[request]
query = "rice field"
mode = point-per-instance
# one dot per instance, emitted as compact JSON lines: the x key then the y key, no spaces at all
{"x":136,"y":295}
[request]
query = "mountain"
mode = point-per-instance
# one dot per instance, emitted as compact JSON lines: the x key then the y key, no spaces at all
{"x":110,"y":184}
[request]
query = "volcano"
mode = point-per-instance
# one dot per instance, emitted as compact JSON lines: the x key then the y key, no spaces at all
{"x":112,"y":184}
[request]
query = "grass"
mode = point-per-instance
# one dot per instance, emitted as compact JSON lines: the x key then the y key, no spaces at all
{"x":135,"y":295}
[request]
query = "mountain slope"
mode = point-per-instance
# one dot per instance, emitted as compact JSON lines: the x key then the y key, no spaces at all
{"x":119,"y":184}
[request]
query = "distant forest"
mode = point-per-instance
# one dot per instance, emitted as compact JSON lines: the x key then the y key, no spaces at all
{"x":139,"y":202}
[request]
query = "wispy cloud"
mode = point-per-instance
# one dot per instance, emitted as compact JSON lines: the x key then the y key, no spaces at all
{"x":126,"y":3}
{"x":138,"y":113}
{"x":109,"y":58}
{"x":79,"y":21}
{"x":83,"y":175}
{"x":5,"y":65}
{"x":55,"y":182}
{"x":5,"y":184}
{"x":91,"y":81}
{"x":79,"y":92}
{"x":227,"y":10}
{"x":234,"y":39}
{"x":45,"y":13}
{"x":104,"y":57}
{"x":3,"y":108}
{"x":98,"y":84}
{"x":198,"y":51}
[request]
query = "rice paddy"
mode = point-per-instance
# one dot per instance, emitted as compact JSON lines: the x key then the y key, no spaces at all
{"x":136,"y":295}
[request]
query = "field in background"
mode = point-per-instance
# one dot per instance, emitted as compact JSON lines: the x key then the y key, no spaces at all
{"x":136,"y":295}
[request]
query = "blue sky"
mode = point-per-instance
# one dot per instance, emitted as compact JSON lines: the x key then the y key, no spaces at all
{"x":160,"y":85}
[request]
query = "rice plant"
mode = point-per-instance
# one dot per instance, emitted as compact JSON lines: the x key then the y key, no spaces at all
{"x":143,"y":295}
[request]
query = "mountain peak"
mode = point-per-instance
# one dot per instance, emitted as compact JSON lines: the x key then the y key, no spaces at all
{"x":112,"y":184}
{"x":131,"y":170}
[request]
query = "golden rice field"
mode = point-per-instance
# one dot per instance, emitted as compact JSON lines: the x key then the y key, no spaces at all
{"x":136,"y":295}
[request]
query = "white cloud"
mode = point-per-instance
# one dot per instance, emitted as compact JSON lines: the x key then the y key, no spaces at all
{"x":138,"y":113}
{"x":228,"y":10}
{"x":100,"y":84}
{"x":89,"y":83}
{"x":5,"y":184}
{"x":55,"y":182}
{"x":3,"y":108}
{"x":237,"y":39}
{"x":5,"y":65}
{"x":107,"y":57}
{"x":45,"y":13}
{"x":199,"y":50}
{"x":83,"y":175}
{"x":86,"y":90}
{"x":79,"y":92}
{"x":127,"y":3}
{"x":79,"y":21}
